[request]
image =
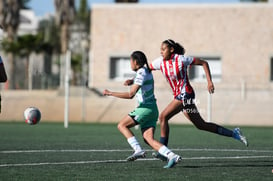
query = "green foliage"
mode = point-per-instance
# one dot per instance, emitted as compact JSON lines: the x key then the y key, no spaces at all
{"x":83,"y":11}
{"x":26,"y":44}
{"x":50,"y":36}
{"x":76,"y":60}
{"x":83,"y":15}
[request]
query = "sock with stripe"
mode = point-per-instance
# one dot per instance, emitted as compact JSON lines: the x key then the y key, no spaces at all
{"x":134,"y":144}
{"x":163,"y":150}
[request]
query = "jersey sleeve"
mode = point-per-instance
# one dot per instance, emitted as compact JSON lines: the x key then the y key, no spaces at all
{"x":155,"y":65}
{"x":187,"y":60}
{"x":139,"y":78}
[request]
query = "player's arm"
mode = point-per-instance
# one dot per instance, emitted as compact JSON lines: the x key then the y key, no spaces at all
{"x":198,"y":61}
{"x":129,"y":82}
{"x":155,"y":64}
{"x":123,"y":95}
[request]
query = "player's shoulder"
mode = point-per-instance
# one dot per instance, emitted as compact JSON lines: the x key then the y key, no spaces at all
{"x":158,"y":59}
{"x":141,"y":71}
{"x":185,"y":57}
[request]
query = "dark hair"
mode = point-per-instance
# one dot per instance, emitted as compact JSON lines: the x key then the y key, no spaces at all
{"x":178,"y":49}
{"x":141,"y":59}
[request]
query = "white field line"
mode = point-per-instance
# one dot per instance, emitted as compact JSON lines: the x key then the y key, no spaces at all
{"x":123,"y":161}
{"x":125,"y":150}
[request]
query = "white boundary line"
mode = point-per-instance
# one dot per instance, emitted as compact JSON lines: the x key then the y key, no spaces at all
{"x":125,"y":150}
{"x":123,"y":161}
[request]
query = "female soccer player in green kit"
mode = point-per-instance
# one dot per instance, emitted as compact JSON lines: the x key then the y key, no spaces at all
{"x":145,"y":114}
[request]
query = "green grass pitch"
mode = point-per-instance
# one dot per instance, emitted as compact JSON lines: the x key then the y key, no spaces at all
{"x":48,"y":151}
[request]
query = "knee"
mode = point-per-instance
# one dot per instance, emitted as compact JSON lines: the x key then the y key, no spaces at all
{"x":162,"y":118}
{"x":120,"y":126}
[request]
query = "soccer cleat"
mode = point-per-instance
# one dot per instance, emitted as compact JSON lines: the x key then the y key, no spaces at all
{"x":136,"y":155}
{"x":159,"y":156}
{"x":173,"y":161}
{"x":238,"y":135}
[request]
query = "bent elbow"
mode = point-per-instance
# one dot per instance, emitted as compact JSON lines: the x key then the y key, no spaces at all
{"x":131,"y":96}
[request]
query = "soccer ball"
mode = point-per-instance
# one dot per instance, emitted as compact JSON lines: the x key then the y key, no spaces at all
{"x":32,"y":115}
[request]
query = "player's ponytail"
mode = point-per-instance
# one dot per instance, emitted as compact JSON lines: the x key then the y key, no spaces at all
{"x":141,"y":59}
{"x":178,"y":49}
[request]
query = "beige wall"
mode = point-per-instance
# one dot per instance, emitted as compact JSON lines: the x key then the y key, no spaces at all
{"x":241,"y":34}
{"x":228,"y":107}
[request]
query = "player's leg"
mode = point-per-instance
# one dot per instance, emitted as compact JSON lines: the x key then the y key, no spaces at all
{"x":172,"y":109}
{"x":148,"y":136}
{"x":173,"y":158}
{"x":191,"y":112}
{"x":124,"y":127}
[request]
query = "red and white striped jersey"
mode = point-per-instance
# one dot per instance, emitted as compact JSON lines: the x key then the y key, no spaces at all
{"x":175,"y":71}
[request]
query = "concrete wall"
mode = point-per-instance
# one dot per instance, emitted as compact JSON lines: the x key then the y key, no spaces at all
{"x":240,"y":34}
{"x":228,"y":107}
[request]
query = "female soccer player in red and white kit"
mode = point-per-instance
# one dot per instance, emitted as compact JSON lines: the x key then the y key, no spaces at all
{"x":173,"y":65}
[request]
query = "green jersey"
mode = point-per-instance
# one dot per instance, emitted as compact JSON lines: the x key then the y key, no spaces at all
{"x":144,"y":78}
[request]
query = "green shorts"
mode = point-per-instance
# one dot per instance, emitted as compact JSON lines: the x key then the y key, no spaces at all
{"x":145,"y":115}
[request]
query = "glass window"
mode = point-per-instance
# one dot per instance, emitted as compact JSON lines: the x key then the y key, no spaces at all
{"x":197,"y":73}
{"x":120,"y":68}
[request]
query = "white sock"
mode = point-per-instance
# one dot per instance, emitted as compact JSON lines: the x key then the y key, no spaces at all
{"x":163,"y":150}
{"x":134,"y":144}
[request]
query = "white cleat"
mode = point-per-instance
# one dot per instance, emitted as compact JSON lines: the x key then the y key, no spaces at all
{"x":136,"y":155}
{"x":173,"y":161}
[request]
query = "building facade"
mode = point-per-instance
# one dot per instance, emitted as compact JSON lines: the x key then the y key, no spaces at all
{"x":239,"y":37}
{"x":236,"y":40}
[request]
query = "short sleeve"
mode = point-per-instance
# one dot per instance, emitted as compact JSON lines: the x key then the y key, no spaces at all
{"x":187,"y":60}
{"x":139,"y":78}
{"x":155,"y":65}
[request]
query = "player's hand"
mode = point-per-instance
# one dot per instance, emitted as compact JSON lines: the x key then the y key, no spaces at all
{"x":128,"y":82}
{"x":106,"y":92}
{"x":210,"y":87}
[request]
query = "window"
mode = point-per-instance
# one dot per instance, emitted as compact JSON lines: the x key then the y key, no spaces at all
{"x":271,"y":69}
{"x":197,"y":73}
{"x":120,"y":68}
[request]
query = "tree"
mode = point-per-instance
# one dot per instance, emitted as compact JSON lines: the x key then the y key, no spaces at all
{"x":23,"y":46}
{"x":65,"y":13}
{"x":83,"y":13}
{"x":9,"y":20}
{"x":81,"y":30}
